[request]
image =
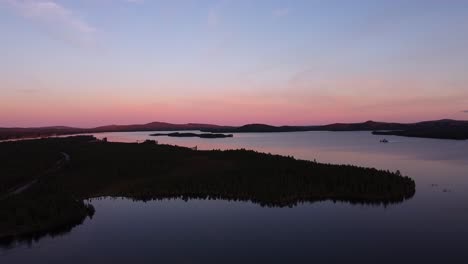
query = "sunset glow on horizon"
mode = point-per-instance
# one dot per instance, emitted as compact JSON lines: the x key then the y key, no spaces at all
{"x":88,"y":63}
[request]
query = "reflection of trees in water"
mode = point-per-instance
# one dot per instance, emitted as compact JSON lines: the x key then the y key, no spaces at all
{"x":41,"y":211}
{"x":35,"y":236}
{"x":281,"y":191}
{"x":152,"y":172}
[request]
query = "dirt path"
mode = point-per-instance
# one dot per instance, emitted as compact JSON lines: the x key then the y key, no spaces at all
{"x":57,"y":166}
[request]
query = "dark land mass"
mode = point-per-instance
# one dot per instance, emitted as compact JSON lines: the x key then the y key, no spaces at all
{"x":203,"y":135}
{"x":56,"y":201}
{"x":442,"y":129}
{"x":15,"y":133}
{"x":37,"y":132}
{"x":154,"y":126}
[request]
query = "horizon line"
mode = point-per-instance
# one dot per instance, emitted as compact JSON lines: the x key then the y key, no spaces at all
{"x":213,"y":124}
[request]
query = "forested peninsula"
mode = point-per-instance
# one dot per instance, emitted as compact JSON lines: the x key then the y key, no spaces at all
{"x":45,"y":183}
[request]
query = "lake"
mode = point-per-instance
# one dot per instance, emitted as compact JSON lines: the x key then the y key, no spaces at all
{"x":431,"y":227}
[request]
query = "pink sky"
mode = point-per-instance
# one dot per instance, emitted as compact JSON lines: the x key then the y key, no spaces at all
{"x":91,"y":63}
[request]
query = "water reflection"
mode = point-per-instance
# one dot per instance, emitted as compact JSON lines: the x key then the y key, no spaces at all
{"x":321,"y":145}
{"x":30,"y":238}
{"x":215,"y":231}
{"x":148,"y":172}
{"x":428,"y":228}
{"x":278,"y":200}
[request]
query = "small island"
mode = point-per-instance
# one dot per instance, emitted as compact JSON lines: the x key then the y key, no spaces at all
{"x":46,"y":183}
{"x":202,"y":135}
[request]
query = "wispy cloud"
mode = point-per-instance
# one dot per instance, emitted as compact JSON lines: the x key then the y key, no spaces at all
{"x":55,"y":18}
{"x":465,"y":111}
{"x":281,"y":12}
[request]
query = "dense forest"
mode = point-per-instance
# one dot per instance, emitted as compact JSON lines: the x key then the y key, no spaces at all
{"x":61,"y":173}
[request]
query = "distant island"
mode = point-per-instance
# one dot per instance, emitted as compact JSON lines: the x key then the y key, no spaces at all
{"x":439,"y":129}
{"x":203,"y":135}
{"x":442,"y":129}
{"x":46,"y":183}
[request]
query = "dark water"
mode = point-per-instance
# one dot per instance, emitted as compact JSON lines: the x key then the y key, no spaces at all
{"x":432,"y":227}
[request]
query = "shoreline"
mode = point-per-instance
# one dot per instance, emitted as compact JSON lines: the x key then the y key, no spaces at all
{"x":152,"y":172}
{"x":440,"y":129}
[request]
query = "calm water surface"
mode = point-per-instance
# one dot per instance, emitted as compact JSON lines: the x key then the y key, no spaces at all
{"x":432,"y":227}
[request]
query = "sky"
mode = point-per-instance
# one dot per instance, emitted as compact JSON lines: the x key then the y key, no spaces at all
{"x":97,"y":62}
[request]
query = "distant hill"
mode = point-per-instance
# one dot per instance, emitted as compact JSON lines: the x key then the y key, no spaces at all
{"x":18,"y":132}
{"x":12,"y":133}
{"x":443,"y":129}
{"x":259,"y":128}
{"x":154,"y":126}
{"x":366,"y":126}
{"x":256,"y":128}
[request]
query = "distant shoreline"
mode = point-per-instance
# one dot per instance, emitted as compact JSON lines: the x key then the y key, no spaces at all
{"x":439,"y":129}
{"x":202,"y":135}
